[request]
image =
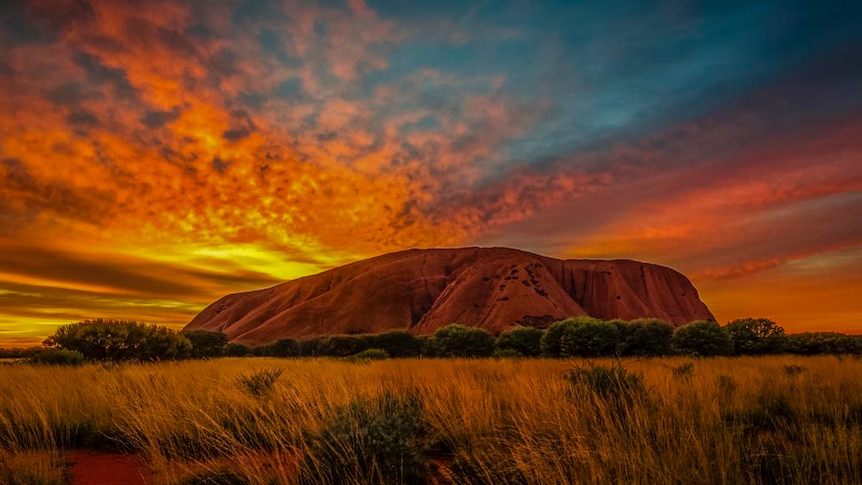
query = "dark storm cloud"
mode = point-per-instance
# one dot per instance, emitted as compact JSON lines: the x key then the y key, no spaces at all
{"x":224,"y":63}
{"x":242,"y":126}
{"x":157,"y":119}
{"x":82,"y":119}
{"x":73,"y":93}
{"x":220,"y":165}
{"x":24,"y":197}
{"x":21,"y":27}
{"x":236,"y":134}
{"x":100,"y":74}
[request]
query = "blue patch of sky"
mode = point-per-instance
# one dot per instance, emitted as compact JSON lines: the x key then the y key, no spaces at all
{"x":605,"y":72}
{"x":273,"y":44}
{"x":290,"y":89}
{"x":610,"y":71}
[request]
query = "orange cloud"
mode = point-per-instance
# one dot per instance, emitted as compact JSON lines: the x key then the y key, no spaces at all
{"x":124,"y":132}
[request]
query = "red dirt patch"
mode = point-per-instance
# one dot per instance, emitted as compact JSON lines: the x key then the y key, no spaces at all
{"x":98,"y":468}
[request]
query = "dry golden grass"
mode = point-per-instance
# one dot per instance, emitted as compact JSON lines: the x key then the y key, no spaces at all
{"x":726,"y":420}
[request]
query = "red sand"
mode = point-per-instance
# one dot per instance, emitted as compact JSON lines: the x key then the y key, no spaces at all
{"x":97,"y":468}
{"x":423,"y":290}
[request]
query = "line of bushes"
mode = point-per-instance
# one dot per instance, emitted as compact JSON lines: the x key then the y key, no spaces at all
{"x":573,"y":337}
{"x":109,"y":340}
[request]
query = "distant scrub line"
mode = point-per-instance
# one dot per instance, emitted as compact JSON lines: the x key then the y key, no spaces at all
{"x":120,"y":341}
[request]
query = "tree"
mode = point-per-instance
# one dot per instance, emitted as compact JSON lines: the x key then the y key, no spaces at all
{"x":702,"y":338}
{"x":756,"y":336}
{"x":117,"y":340}
{"x":645,"y":337}
{"x":814,"y":343}
{"x":236,"y":350}
{"x":526,"y":341}
{"x":286,"y":347}
{"x":455,"y":340}
{"x":206,"y":344}
{"x":590,"y":339}
{"x":553,"y":335}
{"x":343,"y":345}
{"x":312,"y":347}
{"x":57,"y":357}
{"x":397,"y":343}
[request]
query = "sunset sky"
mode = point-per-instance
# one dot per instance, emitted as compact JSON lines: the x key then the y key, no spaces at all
{"x":156,"y":155}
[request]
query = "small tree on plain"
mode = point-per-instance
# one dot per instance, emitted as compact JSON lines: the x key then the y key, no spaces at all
{"x":756,"y":336}
{"x":645,"y":337}
{"x":552,"y":338}
{"x":118,"y":340}
{"x":206,"y":344}
{"x":286,"y":347}
{"x":398,"y":343}
{"x":590,"y":339}
{"x":455,"y":340}
{"x":814,"y":343}
{"x":235,"y":350}
{"x":702,"y":338}
{"x":526,"y":341}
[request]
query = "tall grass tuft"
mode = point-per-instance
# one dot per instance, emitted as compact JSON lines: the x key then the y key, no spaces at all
{"x":612,"y":383}
{"x":370,"y":440}
{"x":261,"y":383}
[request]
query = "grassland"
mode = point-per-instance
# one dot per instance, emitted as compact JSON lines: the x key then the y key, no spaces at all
{"x":722,"y":420}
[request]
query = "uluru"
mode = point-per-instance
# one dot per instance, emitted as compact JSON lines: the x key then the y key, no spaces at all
{"x":421,"y":290}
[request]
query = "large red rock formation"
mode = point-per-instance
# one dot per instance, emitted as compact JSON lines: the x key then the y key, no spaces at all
{"x":423,"y":290}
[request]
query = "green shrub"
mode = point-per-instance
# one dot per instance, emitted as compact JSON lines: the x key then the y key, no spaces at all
{"x":702,"y":338}
{"x":398,"y":343}
{"x":206,"y":344}
{"x":526,"y":341}
{"x":552,"y":338}
{"x":19,"y":353}
{"x":590,"y":339}
{"x":756,"y":336}
{"x":429,"y":347}
{"x":507,"y":354}
{"x":286,"y":347}
{"x":645,"y":337}
{"x":311,"y":347}
{"x":342,"y":345}
{"x":455,"y":340}
{"x":260,"y":383}
{"x":57,"y":357}
{"x":817,"y":343}
{"x":371,"y":440}
{"x":114,"y":340}
{"x":370,"y":354}
{"x":236,"y":350}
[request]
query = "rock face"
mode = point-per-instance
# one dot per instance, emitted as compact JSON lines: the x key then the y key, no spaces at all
{"x":423,"y":290}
